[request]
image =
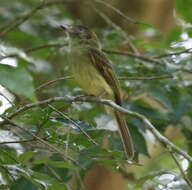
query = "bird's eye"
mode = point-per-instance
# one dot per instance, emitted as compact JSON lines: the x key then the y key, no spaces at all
{"x":82,"y":28}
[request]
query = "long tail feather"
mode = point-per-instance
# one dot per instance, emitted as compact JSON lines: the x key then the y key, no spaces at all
{"x":125,"y":134}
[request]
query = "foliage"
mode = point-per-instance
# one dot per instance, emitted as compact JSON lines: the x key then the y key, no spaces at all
{"x":32,"y":41}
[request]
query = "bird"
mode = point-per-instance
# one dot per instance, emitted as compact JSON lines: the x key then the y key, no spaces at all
{"x":94,"y":73}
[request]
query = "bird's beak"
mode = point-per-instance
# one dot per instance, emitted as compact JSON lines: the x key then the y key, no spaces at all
{"x":66,"y":28}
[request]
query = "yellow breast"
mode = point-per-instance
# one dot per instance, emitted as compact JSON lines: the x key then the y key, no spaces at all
{"x":88,"y":77}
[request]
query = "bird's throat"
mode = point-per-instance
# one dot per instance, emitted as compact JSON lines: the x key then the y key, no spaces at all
{"x":87,"y":75}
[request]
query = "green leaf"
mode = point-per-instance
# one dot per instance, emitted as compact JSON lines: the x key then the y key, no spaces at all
{"x":138,"y":140}
{"x":57,"y":164}
{"x":34,"y":116}
{"x":18,"y":80}
{"x":8,"y":155}
{"x":174,"y":35}
{"x":58,"y":186}
{"x":23,"y":184}
{"x":62,"y":164}
{"x":185,"y":9}
{"x":26,"y":156}
{"x":112,"y":164}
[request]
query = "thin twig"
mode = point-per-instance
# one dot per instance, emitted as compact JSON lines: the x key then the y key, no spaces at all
{"x":10,"y":102}
{"x":186,"y":71}
{"x":74,"y":123}
{"x":82,"y":185}
{"x":18,"y":141}
{"x":130,"y":20}
{"x":51,"y":82}
{"x":187,"y":180}
{"x":66,"y":157}
{"x":118,"y":28}
{"x":54,"y":173}
{"x":67,"y":141}
{"x":29,"y":50}
{"x":146,"y":78}
{"x":188,"y":51}
{"x":110,"y":103}
{"x":142,"y":180}
{"x":140,"y":57}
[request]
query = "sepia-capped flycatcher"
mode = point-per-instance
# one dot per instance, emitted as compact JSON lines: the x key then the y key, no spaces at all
{"x":94,"y":73}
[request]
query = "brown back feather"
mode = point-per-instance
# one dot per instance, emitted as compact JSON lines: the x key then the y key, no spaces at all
{"x":102,"y":64}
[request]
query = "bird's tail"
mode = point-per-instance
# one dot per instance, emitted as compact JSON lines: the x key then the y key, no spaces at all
{"x":125,"y":134}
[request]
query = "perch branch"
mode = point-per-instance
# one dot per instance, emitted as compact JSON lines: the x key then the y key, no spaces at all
{"x":148,"y":124}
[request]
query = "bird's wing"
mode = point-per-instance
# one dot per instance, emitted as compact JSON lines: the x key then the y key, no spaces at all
{"x":104,"y":67}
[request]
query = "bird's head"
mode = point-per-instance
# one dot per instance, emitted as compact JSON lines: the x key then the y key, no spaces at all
{"x":81,"y":34}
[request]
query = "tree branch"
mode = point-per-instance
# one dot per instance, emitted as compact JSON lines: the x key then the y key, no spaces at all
{"x":51,"y":82}
{"x":148,"y":124}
